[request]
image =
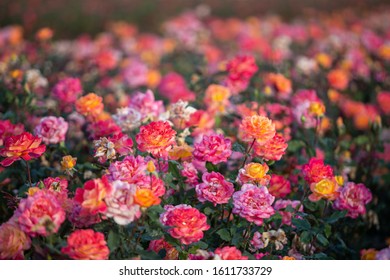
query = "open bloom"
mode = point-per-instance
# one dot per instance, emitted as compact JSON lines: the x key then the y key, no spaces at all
{"x":353,"y":198}
{"x":121,"y":205}
{"x":92,"y":196}
{"x":86,"y":244}
{"x":214,"y":188}
{"x":240,"y":70}
{"x":156,"y":138}
{"x":187,"y":223}
{"x":338,"y":79}
{"x":217,"y":98}
{"x":24,"y":146}
{"x":40,"y":214}
{"x":279,"y":186}
{"x":67,"y":91}
{"x":9,"y":129}
{"x":279,"y":83}
{"x":229,"y":253}
{"x":253,"y":203}
{"x":89,"y":105}
{"x":326,"y":188}
{"x":52,"y":130}
{"x":146,"y":198}
{"x":254,"y":173}
{"x":130,"y":169}
{"x":316,"y":170}
{"x":257,"y":127}
{"x":274,"y":149}
{"x":13,"y":241}
{"x":213,"y":148}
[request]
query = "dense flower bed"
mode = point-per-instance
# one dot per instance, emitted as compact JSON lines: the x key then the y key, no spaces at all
{"x":219,"y":139}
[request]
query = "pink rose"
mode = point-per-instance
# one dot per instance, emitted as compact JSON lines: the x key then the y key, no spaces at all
{"x":52,"y":130}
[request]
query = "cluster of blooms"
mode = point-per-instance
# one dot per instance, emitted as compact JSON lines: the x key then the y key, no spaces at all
{"x":240,"y":154}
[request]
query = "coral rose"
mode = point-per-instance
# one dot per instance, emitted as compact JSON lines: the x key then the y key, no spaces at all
{"x":86,"y":244}
{"x":92,"y":196}
{"x":274,"y":149}
{"x":279,"y":186}
{"x":24,"y":146}
{"x":187,"y":223}
{"x":13,"y":241}
{"x":89,"y":105}
{"x":338,"y":79}
{"x":160,"y":244}
{"x":156,"y":138}
{"x":40,"y":214}
{"x":316,"y":170}
{"x":257,"y":127}
{"x":229,"y":253}
{"x":214,"y":188}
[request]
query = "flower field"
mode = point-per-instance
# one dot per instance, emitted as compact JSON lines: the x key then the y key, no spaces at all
{"x":216,"y":138}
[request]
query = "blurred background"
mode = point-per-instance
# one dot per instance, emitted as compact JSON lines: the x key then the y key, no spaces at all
{"x":69,"y":18}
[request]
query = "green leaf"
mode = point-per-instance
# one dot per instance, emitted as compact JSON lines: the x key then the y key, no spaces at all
{"x":207,"y":210}
{"x":301,"y":224}
{"x":148,"y":255}
{"x":113,"y":240}
{"x":336,"y":216}
{"x":328,"y":230}
{"x":361,"y":140}
{"x":295,"y":145}
{"x":238,"y":148}
{"x":211,"y":167}
{"x":322,"y":240}
{"x":305,"y":237}
{"x":224,"y":234}
{"x":310,"y":205}
{"x":173,"y":169}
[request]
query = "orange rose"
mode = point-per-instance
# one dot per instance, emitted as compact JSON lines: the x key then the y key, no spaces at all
{"x":317,"y":109}
{"x":254,"y":172}
{"x":146,"y":198}
{"x":324,"y":60}
{"x":338,"y":79}
{"x":217,"y":98}
{"x":68,"y":162}
{"x":183,"y":152}
{"x":257,"y":127}
{"x":326,"y":188}
{"x":279,"y":82}
{"x":44,"y":34}
{"x":90,"y":104}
